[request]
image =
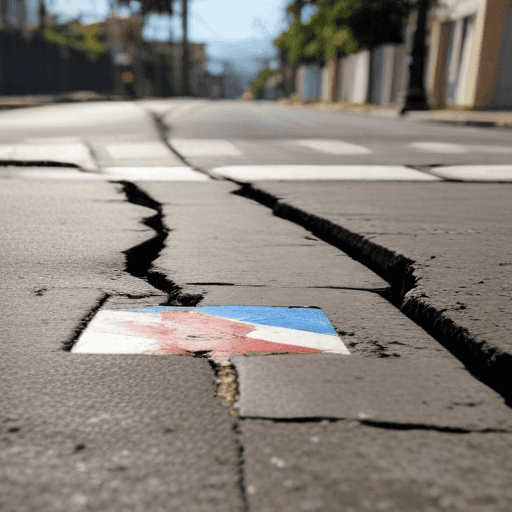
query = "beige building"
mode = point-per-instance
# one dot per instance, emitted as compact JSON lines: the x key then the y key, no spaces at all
{"x":470,"y":58}
{"x":197,"y":65}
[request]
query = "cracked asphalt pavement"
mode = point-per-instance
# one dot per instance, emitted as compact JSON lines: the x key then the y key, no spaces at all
{"x":399,"y":424}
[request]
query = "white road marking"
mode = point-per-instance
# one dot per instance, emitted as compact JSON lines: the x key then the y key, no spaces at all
{"x":6,"y":152}
{"x":475,"y":172}
{"x":51,"y":140}
{"x":139,"y":150}
{"x":108,"y":174}
{"x":180,"y":173}
{"x":439,"y":147}
{"x":204,"y":147}
{"x":497,"y":150}
{"x":179,"y":111}
{"x":46,"y":173}
{"x":322,"y":172}
{"x":334,"y":147}
{"x":69,"y":152}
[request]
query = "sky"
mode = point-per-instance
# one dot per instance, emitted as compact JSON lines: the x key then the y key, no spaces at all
{"x":240,"y":32}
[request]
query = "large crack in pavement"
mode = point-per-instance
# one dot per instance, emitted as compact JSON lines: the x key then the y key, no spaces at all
{"x":139,"y":259}
{"x":486,"y":362}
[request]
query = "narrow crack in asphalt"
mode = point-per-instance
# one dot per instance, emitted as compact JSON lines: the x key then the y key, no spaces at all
{"x":37,"y":163}
{"x":84,"y":322}
{"x":164,"y":130}
{"x":384,"y":425}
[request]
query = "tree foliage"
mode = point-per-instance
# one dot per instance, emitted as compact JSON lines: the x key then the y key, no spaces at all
{"x":152,"y":6}
{"x":85,"y":38}
{"x":258,"y":85}
{"x":341,"y":27}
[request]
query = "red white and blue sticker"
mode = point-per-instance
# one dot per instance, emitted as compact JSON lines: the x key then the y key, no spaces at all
{"x":216,"y":331}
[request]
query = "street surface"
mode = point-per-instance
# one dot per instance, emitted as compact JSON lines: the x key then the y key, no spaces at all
{"x":111,"y":206}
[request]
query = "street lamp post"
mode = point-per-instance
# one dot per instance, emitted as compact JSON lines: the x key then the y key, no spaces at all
{"x":185,"y":50}
{"x":416,"y":96}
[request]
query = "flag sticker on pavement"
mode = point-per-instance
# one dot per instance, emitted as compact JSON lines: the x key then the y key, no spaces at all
{"x":216,"y":331}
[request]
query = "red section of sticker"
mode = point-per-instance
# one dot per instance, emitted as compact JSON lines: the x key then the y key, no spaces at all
{"x":188,"y":331}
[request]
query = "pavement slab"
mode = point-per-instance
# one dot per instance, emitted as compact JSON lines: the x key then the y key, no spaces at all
{"x":342,"y":465}
{"x":219,"y":237}
{"x":83,"y":225}
{"x":368,"y":324}
{"x":461,"y":288}
{"x":115,"y":433}
{"x":85,"y":432}
{"x":437,"y":394}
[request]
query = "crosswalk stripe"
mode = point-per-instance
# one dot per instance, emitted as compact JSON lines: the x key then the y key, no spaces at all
{"x":476,"y":172}
{"x":180,"y":173}
{"x":334,"y":147}
{"x":49,"y":173}
{"x":138,"y":150}
{"x":204,"y":147}
{"x":70,"y":152}
{"x":322,"y":172}
{"x":439,"y":147}
{"x":107,"y":174}
{"x":497,"y":150}
{"x":180,"y":110}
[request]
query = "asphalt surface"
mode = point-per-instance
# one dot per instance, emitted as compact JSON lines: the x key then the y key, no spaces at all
{"x":399,"y":424}
{"x":444,"y":246}
{"x":254,"y":126}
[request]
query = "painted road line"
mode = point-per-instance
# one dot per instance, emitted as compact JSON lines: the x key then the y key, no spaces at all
{"x":6,"y":152}
{"x":204,"y":147}
{"x":51,"y":140}
{"x":179,"y":173}
{"x":323,"y":172}
{"x":139,"y":150}
{"x":334,"y":147}
{"x":475,"y":172}
{"x":439,"y":147}
{"x":69,"y":152}
{"x":48,"y":173}
{"x":181,"y":110}
{"x":497,"y":150}
{"x":218,"y":331}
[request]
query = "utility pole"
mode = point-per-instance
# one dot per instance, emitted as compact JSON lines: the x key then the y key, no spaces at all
{"x":42,"y":15}
{"x":416,"y":96}
{"x":184,"y":58}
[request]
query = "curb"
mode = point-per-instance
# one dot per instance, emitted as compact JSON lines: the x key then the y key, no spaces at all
{"x":473,"y":123}
{"x":11,"y":102}
{"x":393,"y":113}
{"x":486,"y":362}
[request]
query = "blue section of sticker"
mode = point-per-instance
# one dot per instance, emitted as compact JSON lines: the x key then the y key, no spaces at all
{"x":302,"y":319}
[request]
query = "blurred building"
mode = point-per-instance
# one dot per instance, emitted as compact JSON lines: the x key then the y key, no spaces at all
{"x":470,"y":62}
{"x":18,"y":14}
{"x":197,"y":66}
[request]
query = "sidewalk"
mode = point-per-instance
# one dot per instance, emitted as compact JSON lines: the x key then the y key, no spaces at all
{"x":489,"y":119}
{"x":37,"y":100}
